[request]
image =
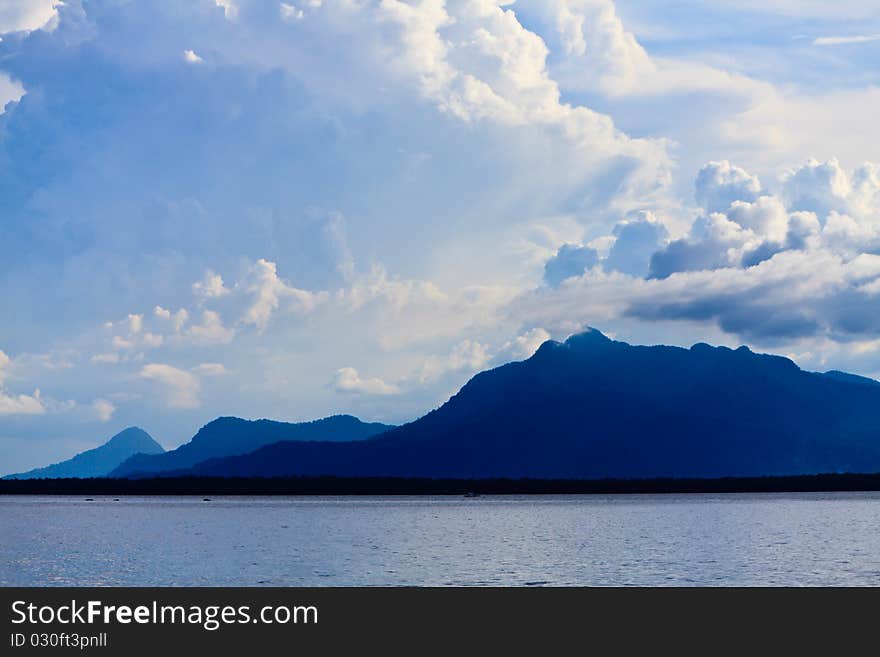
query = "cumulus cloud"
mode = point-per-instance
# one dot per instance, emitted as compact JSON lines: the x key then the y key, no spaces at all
{"x":790,"y":266}
{"x":290,"y":12}
{"x":210,"y":287}
{"x":784,"y":297}
{"x":719,"y":184}
{"x":181,"y":388}
{"x":230,"y":8}
{"x":136,"y":336}
{"x":5,"y":362}
{"x":348,"y":380}
{"x":210,"y":331}
{"x":781,"y":298}
{"x":10,"y":90}
{"x":179,"y":319}
{"x":714,"y":242}
{"x":268,"y":292}
{"x":635,"y":241}
{"x":818,"y":187}
{"x":103,"y":409}
{"x":190,"y":57}
{"x":569,"y":261}
{"x":819,"y":206}
{"x":521,"y":347}
{"x":467,"y":355}
{"x":12,"y":404}
{"x":26,"y":15}
{"x":767,"y":217}
{"x":135,"y":324}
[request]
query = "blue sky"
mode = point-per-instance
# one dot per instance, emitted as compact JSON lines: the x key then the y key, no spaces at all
{"x":294,"y":209}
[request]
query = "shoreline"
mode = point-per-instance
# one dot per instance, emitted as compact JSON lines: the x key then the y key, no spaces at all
{"x":360,"y":486}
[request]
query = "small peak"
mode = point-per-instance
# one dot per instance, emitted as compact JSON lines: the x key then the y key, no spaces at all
{"x":131,"y":429}
{"x":702,"y":346}
{"x":546,"y":347}
{"x":743,"y":350}
{"x":130,"y":433}
{"x":588,"y":339}
{"x":137,"y":438}
{"x":225,"y":419}
{"x":342,"y":417}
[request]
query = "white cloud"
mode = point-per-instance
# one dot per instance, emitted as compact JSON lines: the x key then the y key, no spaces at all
{"x":211,"y":331}
{"x":10,"y":90}
{"x":777,"y":268}
{"x":521,"y":347}
{"x":844,"y":40}
{"x":11,"y":404}
{"x":291,"y":12}
{"x":267,"y":291}
{"x":136,"y":338}
{"x":181,"y":387}
{"x":190,"y":57}
{"x":230,"y":8}
{"x":210,"y":369}
{"x":26,"y":15}
{"x":151,"y":340}
{"x":210,"y":287}
{"x":108,"y":358}
{"x":103,"y":409}
{"x":719,"y":184}
{"x":179,"y":319}
{"x":121,"y":343}
{"x":348,"y":380}
{"x":135,"y":324}
{"x":766,"y":217}
{"x":818,"y":187}
{"x":21,"y":404}
{"x":5,"y":362}
{"x":467,"y":355}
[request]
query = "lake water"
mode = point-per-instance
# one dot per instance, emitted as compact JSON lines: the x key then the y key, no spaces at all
{"x":766,"y":539}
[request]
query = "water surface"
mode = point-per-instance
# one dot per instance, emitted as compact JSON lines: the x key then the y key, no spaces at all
{"x":752,"y":539}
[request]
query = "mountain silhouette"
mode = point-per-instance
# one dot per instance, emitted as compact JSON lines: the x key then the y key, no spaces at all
{"x":98,"y":462}
{"x":229,"y":436}
{"x":592,"y":407}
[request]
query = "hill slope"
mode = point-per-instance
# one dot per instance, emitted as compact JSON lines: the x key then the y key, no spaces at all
{"x":228,"y":436}
{"x":98,"y":462}
{"x":593,"y":407}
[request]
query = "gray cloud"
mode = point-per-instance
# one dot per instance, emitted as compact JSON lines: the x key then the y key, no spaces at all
{"x":570,"y":260}
{"x":770,"y":269}
{"x":636,"y":241}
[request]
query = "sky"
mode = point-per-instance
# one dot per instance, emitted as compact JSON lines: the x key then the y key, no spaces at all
{"x":290,"y":210}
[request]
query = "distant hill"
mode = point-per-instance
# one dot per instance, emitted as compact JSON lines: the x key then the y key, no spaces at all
{"x":229,"y":436}
{"x":592,"y":407}
{"x":98,"y":462}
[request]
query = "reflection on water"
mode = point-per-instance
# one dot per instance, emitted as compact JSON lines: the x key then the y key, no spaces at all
{"x":769,"y":539}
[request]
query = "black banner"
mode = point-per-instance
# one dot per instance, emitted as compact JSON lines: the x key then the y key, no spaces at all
{"x":245,"y":621}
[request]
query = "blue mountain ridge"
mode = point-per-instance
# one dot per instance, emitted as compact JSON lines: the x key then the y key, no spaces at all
{"x":592,"y":407}
{"x":100,"y":461}
{"x":230,"y":436}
